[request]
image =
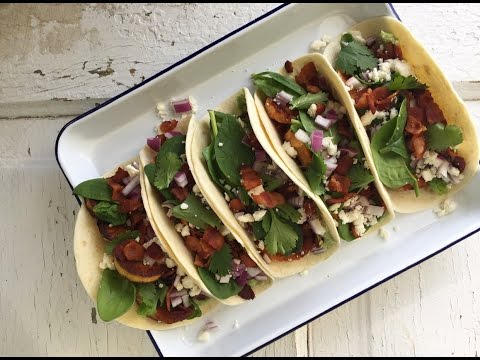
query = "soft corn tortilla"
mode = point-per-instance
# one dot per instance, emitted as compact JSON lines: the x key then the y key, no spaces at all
{"x":198,"y":138}
{"x":89,"y":248}
{"x":427,"y":71}
{"x":173,"y":238}
{"x":337,"y":89}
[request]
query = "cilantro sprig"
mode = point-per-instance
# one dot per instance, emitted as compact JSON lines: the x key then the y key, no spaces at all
{"x":354,"y":57}
{"x":281,"y":237}
{"x":221,"y":261}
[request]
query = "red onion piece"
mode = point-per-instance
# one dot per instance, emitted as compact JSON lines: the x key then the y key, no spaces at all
{"x":283,"y":98}
{"x":177,"y":294}
{"x":150,"y":261}
{"x":186,"y":301}
{"x":260,"y":155}
{"x":323,"y":122}
{"x":242,"y":279}
{"x":154,"y":143}
{"x":135,"y":192}
{"x":135,"y":165}
{"x":171,"y":134}
{"x":331,"y":163}
{"x":253,"y":271}
{"x":126,"y":180}
{"x":331,"y":115}
{"x":353,"y":82}
{"x":177,"y":301}
{"x":318,"y":250}
{"x":351,"y":152}
{"x":182,"y":106}
{"x":316,"y":226}
{"x":181,"y":179}
{"x":317,"y":139}
{"x":131,"y":185}
{"x":238,"y":269}
{"x":369,"y":42}
{"x":302,"y":136}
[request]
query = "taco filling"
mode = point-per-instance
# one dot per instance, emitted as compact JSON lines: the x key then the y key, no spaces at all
{"x":412,"y":145}
{"x":136,"y":267}
{"x":317,"y":134}
{"x":281,"y":220}
{"x":222,"y":263}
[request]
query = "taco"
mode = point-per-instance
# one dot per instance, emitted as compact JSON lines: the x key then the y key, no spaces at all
{"x":123,"y":260}
{"x":210,"y":253}
{"x":284,"y":230}
{"x":422,"y":139}
{"x":302,"y":113}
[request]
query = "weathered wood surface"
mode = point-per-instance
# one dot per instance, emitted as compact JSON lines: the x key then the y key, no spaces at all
{"x":57,"y":61}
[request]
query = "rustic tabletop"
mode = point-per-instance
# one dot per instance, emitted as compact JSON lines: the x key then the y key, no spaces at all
{"x":57,"y":61}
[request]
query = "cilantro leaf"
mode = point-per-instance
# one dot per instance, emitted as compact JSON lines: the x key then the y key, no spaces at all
{"x":267,"y":222}
{"x":150,"y":295}
{"x":271,"y":83}
{"x":127,"y":235}
{"x":258,"y":230}
{"x":295,"y":125}
{"x":281,"y":238}
{"x":95,"y":189}
{"x":165,"y":169}
{"x":441,"y":137}
{"x":196,"y":213}
{"x":174,"y":145}
{"x":230,"y":152}
{"x":400,"y":82}
{"x":354,"y":57}
{"x":307,"y":123}
{"x":396,"y":143}
{"x":221,"y":261}
{"x":438,"y":186}
{"x":150,"y":170}
{"x":360,"y":177}
{"x":288,"y":212}
{"x":303,"y":102}
{"x":388,"y":37}
{"x":270,"y":182}
{"x":110,"y":213}
{"x":315,"y":174}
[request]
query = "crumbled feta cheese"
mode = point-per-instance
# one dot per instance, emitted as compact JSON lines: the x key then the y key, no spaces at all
{"x":228,"y":187}
{"x":349,"y":216}
{"x":446,"y":207}
{"x":224,"y":231}
{"x":183,"y":206}
{"x":368,"y":117}
{"x":160,"y":285}
{"x":329,"y":146}
{"x":318,"y":45}
{"x":393,"y":112}
{"x":188,"y":282}
{"x":312,"y":110}
{"x":289,"y":149}
{"x":400,"y":66}
{"x":261,"y":245}
{"x":179,"y":227}
{"x":193,"y":103}
{"x":427,"y":175}
{"x":179,"y":286}
{"x":131,"y":170}
{"x":334,"y":207}
{"x":137,"y":239}
{"x":384,"y":234}
{"x":204,"y":336}
{"x":246,"y":218}
{"x":235,"y":324}
{"x":357,"y":35}
{"x":195,"y":189}
{"x":161,"y":109}
{"x":225,"y":279}
{"x":304,"y":273}
{"x":259,"y":214}
{"x":227,"y":198}
{"x":256,"y":190}
{"x":170,"y":263}
{"x":195,"y":291}
{"x":185,"y":231}
{"x":303,"y":216}
{"x":107,"y":262}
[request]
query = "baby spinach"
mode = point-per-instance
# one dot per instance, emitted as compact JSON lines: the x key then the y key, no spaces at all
{"x":307,"y":123}
{"x":95,"y":189}
{"x":438,"y":186}
{"x":219,"y":290}
{"x":110,"y":213}
{"x":196,"y":213}
{"x":344,"y":231}
{"x":174,"y":145}
{"x":303,"y":102}
{"x":115,"y":296}
{"x":271,"y":83}
{"x":197,"y":312}
{"x":396,"y":143}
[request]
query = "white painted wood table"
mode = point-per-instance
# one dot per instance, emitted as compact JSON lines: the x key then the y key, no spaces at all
{"x":57,"y":61}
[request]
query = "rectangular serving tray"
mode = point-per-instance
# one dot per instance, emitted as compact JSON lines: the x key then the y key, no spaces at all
{"x":100,"y":139}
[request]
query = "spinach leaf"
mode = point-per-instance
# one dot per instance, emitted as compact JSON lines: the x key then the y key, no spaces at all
{"x":197,"y":312}
{"x":196,"y":213}
{"x":150,"y":295}
{"x":110,"y":213}
{"x":95,"y":189}
{"x":209,"y":156}
{"x":440,"y":137}
{"x":166,"y":167}
{"x":221,"y":291}
{"x":359,"y":176}
{"x":303,"y":102}
{"x":307,"y":123}
{"x":295,"y":125}
{"x":221,"y":261}
{"x":271,"y":83}
{"x":281,"y":238}
{"x":438,"y":186}
{"x":115,"y":296}
{"x":354,"y":56}
{"x":174,"y":145}
{"x":230,"y":152}
{"x":127,"y":235}
{"x":392,"y":168}
{"x":315,"y":174}
{"x":344,"y":231}
{"x":396,"y":143}
{"x":242,"y":103}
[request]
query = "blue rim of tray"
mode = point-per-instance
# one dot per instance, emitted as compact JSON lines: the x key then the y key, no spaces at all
{"x":269,"y":13}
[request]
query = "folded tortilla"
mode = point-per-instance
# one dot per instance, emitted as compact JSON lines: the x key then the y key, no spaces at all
{"x":454,"y":109}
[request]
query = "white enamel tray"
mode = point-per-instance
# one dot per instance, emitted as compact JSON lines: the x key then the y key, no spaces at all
{"x":102,"y":138}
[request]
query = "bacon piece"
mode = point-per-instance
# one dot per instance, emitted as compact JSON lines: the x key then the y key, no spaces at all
{"x":236,"y":205}
{"x":459,"y":163}
{"x":90,"y":204}
{"x":252,"y":141}
{"x":322,"y":84}
{"x":146,"y":231}
{"x":313,"y":89}
{"x":417,"y":146}
{"x":167,"y":126}
{"x":247,"y":260}
{"x":386,"y":103}
{"x":247,"y":293}
{"x":120,"y":174}
{"x":206,"y":250}
{"x":288,"y":66}
{"x":213,"y":238}
{"x":307,"y":76}
{"x":177,"y":314}
{"x":320,"y":109}
{"x":125,"y":205}
{"x":133,"y":251}
{"x":179,"y":193}
{"x":303,"y":153}
{"x":354,"y":231}
{"x":269,"y":199}
{"x":155,"y":252}
{"x":308,"y":238}
{"x":340,"y":200}
{"x":193,"y":244}
{"x":380,"y":98}
{"x":339,"y":183}
{"x":434,"y":114}
{"x":388,"y":51}
{"x":281,"y":114}
{"x":344,"y":129}
{"x":137,"y":217}
{"x":111,"y":233}
{"x":344,"y":164}
{"x":199,"y":261}
{"x":309,"y":208}
{"x":250,"y":178}
{"x":360,"y":97}
{"x":415,"y":121}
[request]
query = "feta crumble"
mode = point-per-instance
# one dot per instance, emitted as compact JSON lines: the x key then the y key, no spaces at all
{"x":289,"y":149}
{"x":183,"y":206}
{"x":107,"y":262}
{"x":446,"y":207}
{"x":385,"y":235}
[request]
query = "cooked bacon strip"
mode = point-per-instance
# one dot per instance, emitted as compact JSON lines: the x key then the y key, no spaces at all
{"x":308,"y":75}
{"x":179,"y":192}
{"x":250,"y":178}
{"x":155,"y":252}
{"x":236,"y":205}
{"x":434,"y":114}
{"x":281,"y":114}
{"x":320,"y":109}
{"x":386,"y":103}
{"x":269,"y":199}
{"x":288,"y":66}
{"x":133,"y":251}
{"x":213,"y":238}
{"x":199,"y":261}
{"x":340,"y":200}
{"x":360,"y":97}
{"x":247,"y":293}
{"x":137,"y":217}
{"x":416,"y":119}
{"x":111,"y":233}
{"x":252,"y":141}
{"x":339,"y":183}
{"x":309,"y":238}
{"x":303,"y":153}
{"x":120,"y":174}
{"x":309,"y":208}
{"x":146,"y":231}
{"x":344,"y":164}
{"x":417,"y":146}
{"x":172,"y":316}
{"x":167,"y":126}
{"x":344,"y":129}
{"x":193,"y":244}
{"x":456,"y":160}
{"x":125,"y":205}
{"x":247,"y":260}
{"x":313,"y":89}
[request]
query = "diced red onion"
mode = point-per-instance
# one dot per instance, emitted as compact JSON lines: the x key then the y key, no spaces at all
{"x":375,"y":210}
{"x":261,"y":278}
{"x":283,"y":98}
{"x":259,"y":166}
{"x":362,"y":200}
{"x":131,"y":185}
{"x":181,"y":179}
{"x":135,"y":192}
{"x":267,"y":259}
{"x":317,"y":140}
{"x":154,"y":143}
{"x":369,"y":42}
{"x":260,"y":155}
{"x":351,"y":152}
{"x":365,"y":75}
{"x":210,"y":325}
{"x":126,"y":180}
{"x":331,"y":115}
{"x":323,"y":122}
{"x":316,"y":226}
{"x":443,"y":169}
{"x":182,"y":106}
{"x":238,"y":269}
{"x":177,"y":301}
{"x":331,"y":164}
{"x":186,"y":301}
{"x":253,"y":271}
{"x":297,"y":201}
{"x":353,"y":82}
{"x":318,"y":250}
{"x":302,"y":136}
{"x":171,"y":134}
{"x":175,"y":294}
{"x":242,"y":278}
